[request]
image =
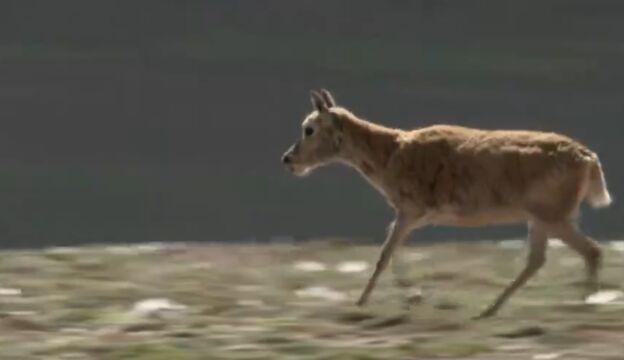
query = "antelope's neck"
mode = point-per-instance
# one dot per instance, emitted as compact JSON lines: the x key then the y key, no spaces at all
{"x":368,"y":147}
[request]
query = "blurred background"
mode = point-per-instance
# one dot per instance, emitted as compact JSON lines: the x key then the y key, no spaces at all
{"x":165,"y":120}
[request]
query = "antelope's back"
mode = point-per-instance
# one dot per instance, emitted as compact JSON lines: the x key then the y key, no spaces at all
{"x":471,"y":169}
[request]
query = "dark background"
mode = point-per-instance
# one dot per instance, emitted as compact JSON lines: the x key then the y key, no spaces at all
{"x":126,"y":121}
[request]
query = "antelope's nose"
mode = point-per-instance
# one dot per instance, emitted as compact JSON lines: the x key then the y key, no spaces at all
{"x":286,"y":159}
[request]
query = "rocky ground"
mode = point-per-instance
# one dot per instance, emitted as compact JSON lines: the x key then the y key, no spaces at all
{"x":291,"y":301}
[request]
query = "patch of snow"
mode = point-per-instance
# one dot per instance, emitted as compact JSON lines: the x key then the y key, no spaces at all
{"x":352,"y":266}
{"x":604,"y":297}
{"x":310,"y":266}
{"x":321,"y":292}
{"x":10,"y":292}
{"x":156,"y":306}
{"x":556,"y":243}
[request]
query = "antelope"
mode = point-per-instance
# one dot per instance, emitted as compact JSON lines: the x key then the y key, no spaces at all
{"x":460,"y":176}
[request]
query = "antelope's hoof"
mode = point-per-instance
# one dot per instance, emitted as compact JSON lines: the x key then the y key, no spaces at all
{"x":486,"y":314}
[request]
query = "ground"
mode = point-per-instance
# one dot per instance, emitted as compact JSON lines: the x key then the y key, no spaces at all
{"x":295,"y":301}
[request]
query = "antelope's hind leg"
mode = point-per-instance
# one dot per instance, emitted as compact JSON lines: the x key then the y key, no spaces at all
{"x":569,"y":233}
{"x":537,"y":240}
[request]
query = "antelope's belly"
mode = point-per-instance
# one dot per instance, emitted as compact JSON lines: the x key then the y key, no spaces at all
{"x":476,"y":218}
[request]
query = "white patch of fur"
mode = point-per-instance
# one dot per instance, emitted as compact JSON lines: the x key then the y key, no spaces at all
{"x":556,"y":243}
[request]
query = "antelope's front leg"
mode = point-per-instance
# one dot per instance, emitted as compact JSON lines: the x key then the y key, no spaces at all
{"x":538,"y":241}
{"x":397,"y":234}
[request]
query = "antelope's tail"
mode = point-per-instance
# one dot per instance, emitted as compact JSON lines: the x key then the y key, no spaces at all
{"x":597,"y":193}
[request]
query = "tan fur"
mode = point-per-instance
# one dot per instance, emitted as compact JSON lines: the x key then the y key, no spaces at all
{"x":459,"y":176}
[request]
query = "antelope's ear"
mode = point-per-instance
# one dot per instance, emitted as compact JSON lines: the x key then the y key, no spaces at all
{"x":317,"y":102}
{"x":328,"y":98}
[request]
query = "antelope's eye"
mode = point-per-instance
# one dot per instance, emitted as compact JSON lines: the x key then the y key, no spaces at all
{"x":308,"y":131}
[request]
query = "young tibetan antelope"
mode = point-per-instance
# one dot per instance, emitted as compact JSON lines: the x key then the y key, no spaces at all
{"x":459,"y":176}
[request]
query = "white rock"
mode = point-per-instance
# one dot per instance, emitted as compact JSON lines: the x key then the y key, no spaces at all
{"x":603,"y":297}
{"x":352,"y":266}
{"x":20,"y":313}
{"x":156,"y":306}
{"x":10,"y":292}
{"x":321,"y":292}
{"x":547,"y":356}
{"x":310,"y":266}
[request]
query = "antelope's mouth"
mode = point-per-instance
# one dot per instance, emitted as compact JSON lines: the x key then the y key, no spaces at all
{"x":298,"y":170}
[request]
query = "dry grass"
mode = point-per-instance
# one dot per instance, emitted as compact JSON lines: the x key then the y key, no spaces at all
{"x":252,"y":302}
